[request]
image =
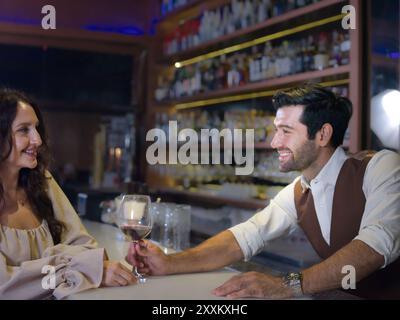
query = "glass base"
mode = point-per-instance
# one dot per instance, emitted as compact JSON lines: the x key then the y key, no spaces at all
{"x":140,"y":278}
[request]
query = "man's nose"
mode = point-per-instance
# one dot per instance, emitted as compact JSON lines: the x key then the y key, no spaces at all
{"x":275,"y":143}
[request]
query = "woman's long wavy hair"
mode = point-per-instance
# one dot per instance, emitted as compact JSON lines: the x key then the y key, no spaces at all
{"x":33,"y":181}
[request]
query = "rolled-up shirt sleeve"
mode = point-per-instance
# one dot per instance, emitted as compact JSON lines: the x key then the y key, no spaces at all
{"x":380,"y":225}
{"x":277,"y":219}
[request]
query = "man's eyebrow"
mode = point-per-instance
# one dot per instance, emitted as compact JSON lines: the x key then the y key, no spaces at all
{"x":283,"y":126}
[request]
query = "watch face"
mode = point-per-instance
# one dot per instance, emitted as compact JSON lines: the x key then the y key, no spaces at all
{"x":295,"y":276}
{"x":293,"y":281}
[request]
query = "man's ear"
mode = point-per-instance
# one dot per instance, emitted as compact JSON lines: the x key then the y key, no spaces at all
{"x":324,"y":135}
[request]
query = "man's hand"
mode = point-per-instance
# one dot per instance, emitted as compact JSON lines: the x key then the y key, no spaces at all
{"x":148,"y":258}
{"x":115,"y":275}
{"x":253,"y":285}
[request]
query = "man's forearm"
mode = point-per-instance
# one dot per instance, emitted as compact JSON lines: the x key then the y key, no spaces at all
{"x":328,"y":274}
{"x":216,"y":252}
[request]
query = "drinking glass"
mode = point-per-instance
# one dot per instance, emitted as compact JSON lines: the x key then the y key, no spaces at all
{"x":135,"y":221}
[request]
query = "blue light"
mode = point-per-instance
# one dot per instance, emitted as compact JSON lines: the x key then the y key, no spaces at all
{"x":129,"y":30}
{"x":19,"y":21}
{"x":153,"y":26}
{"x":394,"y":55}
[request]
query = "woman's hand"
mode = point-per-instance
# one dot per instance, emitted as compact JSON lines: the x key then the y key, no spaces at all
{"x":115,"y":275}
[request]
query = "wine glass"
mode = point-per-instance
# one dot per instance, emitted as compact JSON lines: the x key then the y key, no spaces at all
{"x":135,"y":221}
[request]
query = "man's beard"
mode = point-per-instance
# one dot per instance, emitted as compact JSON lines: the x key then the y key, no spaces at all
{"x":302,"y":159}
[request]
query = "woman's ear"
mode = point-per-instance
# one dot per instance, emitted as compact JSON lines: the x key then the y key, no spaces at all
{"x":325,"y":135}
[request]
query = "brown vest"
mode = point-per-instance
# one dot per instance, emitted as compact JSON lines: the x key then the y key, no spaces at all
{"x":347,"y":211}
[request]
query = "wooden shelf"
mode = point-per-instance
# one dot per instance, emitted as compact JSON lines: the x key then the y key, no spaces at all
{"x":205,"y":197}
{"x":193,"y":51}
{"x":269,"y":84}
{"x":190,"y":11}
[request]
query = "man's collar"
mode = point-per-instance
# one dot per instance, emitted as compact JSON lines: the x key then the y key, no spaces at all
{"x":330,"y":171}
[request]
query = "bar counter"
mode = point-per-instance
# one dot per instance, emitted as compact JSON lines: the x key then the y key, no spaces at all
{"x":193,"y":286}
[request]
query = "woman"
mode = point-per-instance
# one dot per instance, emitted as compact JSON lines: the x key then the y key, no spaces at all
{"x":44,"y":249}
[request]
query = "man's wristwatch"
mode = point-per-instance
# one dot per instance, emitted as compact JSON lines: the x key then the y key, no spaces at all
{"x":293,"y":280}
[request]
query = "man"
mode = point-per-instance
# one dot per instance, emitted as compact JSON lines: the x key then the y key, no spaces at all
{"x":348,"y":208}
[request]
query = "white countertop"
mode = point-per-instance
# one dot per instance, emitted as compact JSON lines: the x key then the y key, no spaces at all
{"x":194,"y":286}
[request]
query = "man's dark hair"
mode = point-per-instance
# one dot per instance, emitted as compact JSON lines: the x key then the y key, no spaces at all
{"x":320,"y":106}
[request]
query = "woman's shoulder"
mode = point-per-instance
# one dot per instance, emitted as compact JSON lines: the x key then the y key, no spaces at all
{"x":53,"y":188}
{"x":48,"y":174}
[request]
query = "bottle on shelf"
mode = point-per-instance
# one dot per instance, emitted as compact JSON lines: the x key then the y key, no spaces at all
{"x":234,"y":16}
{"x":335,"y":56}
{"x":345,"y":48}
{"x":307,"y":53}
{"x":321,"y":59}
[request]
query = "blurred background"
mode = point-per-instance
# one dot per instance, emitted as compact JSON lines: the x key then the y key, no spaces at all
{"x":112,"y":70}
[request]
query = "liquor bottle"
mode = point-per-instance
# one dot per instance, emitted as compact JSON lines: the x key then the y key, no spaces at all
{"x":254,"y":65}
{"x":304,"y":56}
{"x":220,"y":74}
{"x":300,"y":3}
{"x":269,"y":8}
{"x":271,"y":54}
{"x":285,"y":60}
{"x":214,"y":69}
{"x":278,"y":8}
{"x":195,"y":27}
{"x":298,"y":65}
{"x":336,"y":55}
{"x":345,"y":48}
{"x":216,"y":25}
{"x":261,"y":11}
{"x":224,"y":20}
{"x":243,"y":70}
{"x":233,"y":74}
{"x":212,"y":75}
{"x":291,"y":4}
{"x":311,"y":52}
{"x":245,"y":20}
{"x":265,"y":62}
{"x":190,"y":80}
{"x":321,"y":59}
{"x":279,"y":64}
{"x":230,"y":28}
{"x":237,"y":10}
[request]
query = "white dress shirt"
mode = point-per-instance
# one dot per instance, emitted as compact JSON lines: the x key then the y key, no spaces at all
{"x":380,"y":224}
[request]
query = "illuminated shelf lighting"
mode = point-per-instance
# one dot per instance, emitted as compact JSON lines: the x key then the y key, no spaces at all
{"x":247,"y":96}
{"x":257,"y":41}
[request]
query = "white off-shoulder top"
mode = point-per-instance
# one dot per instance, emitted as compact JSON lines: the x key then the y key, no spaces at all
{"x":25,"y":255}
